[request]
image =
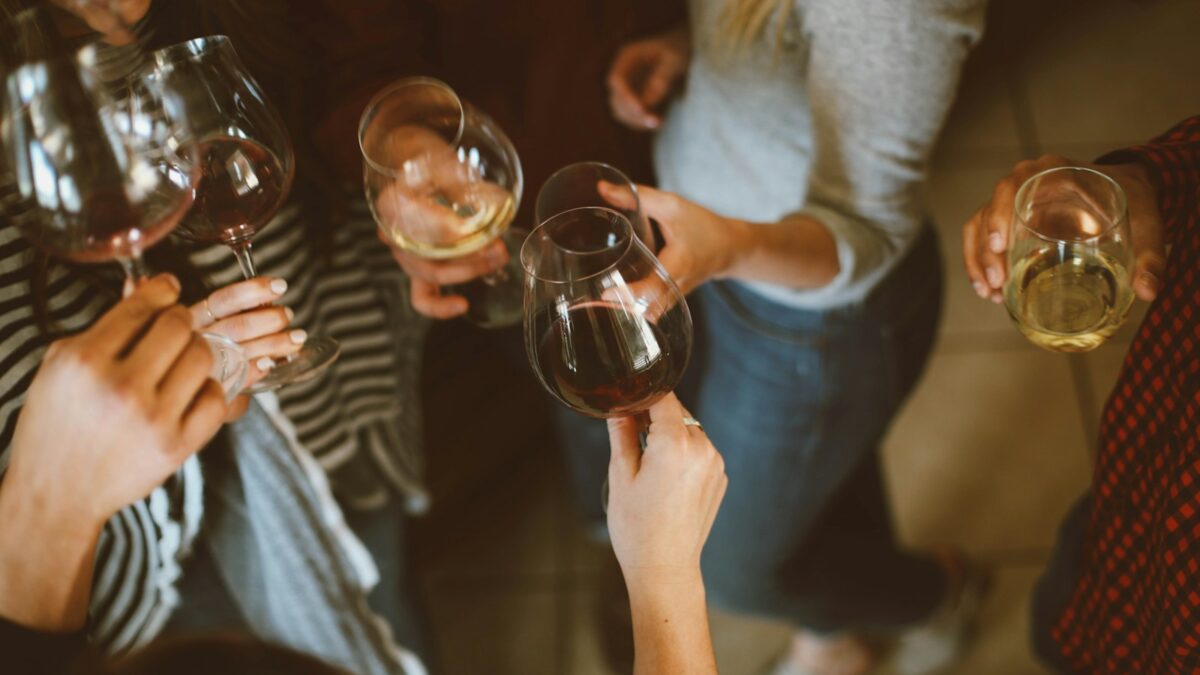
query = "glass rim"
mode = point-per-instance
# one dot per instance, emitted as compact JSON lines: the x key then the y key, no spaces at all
{"x":392,"y":88}
{"x":575,"y":166}
{"x":628,"y":242}
{"x":1022,"y":193}
{"x":188,"y":50}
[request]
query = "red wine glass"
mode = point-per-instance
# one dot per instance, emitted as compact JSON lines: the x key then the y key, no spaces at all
{"x":92,"y":179}
{"x":246,"y":165}
{"x":607,"y":331}
{"x":593,"y":184}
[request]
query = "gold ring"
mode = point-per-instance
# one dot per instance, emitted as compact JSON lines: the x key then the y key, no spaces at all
{"x":212,"y":318}
{"x":693,"y":422}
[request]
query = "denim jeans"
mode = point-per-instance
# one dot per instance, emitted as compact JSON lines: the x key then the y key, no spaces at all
{"x":797,"y":401}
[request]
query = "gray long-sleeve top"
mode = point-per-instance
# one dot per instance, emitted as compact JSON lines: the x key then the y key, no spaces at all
{"x":838,"y":123}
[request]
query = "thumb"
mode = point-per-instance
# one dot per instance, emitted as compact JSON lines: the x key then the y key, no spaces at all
{"x":626,"y":457}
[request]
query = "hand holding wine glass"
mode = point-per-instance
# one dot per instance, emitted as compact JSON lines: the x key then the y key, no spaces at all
{"x":987,"y":235}
{"x":444,"y":183}
{"x":245,"y":312}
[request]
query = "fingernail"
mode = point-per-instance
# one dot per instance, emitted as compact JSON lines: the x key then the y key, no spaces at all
{"x":287,"y":311}
{"x":298,"y":336}
{"x":1150,"y":279}
{"x":981,"y":289}
{"x":264,"y":364}
{"x":996,"y":242}
{"x":994,"y":277}
{"x":278,"y":286}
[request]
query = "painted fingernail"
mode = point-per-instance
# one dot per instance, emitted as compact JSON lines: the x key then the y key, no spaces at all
{"x":298,"y":336}
{"x":289,"y":313}
{"x":264,"y":364}
{"x":278,"y":286}
{"x":995,"y":278}
{"x":996,"y":242}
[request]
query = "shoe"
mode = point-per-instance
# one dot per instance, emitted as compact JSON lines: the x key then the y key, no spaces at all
{"x":813,"y":654}
{"x":932,"y":646}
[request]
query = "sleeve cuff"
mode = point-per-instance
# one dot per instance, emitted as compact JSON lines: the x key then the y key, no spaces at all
{"x":1173,"y":162}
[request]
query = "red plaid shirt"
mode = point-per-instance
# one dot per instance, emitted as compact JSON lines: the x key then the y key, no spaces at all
{"x":1136,"y":608}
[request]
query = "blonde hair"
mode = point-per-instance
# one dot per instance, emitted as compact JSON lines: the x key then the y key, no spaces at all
{"x":744,"y":21}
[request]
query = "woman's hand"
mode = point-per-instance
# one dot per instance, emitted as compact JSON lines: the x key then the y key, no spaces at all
{"x":643,"y":74}
{"x":110,"y":18}
{"x":986,"y":234}
{"x":661,"y":507}
{"x":427,"y":276}
{"x":662,"y":502}
{"x":110,"y":415}
{"x":245,"y":313}
{"x":698,"y":245}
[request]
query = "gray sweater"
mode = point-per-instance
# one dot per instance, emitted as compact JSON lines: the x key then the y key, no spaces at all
{"x":838,"y":124}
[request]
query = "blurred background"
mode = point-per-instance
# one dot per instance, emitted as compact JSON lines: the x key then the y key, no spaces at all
{"x":992,"y":448}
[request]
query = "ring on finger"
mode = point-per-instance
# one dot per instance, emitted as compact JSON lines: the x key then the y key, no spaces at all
{"x":693,"y":422}
{"x":212,"y":318}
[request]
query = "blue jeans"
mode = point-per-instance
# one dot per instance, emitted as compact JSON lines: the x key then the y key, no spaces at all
{"x":797,"y":402}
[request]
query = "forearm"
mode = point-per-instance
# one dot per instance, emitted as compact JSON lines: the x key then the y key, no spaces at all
{"x":46,"y":563}
{"x":797,"y":252}
{"x":670,"y":627}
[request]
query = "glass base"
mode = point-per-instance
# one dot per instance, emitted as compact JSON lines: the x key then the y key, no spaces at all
{"x":318,"y":353}
{"x":229,"y":367}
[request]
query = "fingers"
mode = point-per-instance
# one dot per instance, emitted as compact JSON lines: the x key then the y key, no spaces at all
{"x":617,"y":195}
{"x":972,"y":235}
{"x":627,"y":106}
{"x":237,"y":408}
{"x":113,"y":332}
{"x":203,"y":417}
{"x":274,"y":346}
{"x":428,"y":300}
{"x":666,"y":417}
{"x":187,"y":376}
{"x":254,"y":324}
{"x":237,"y":298}
{"x":1146,"y":229}
{"x":626,"y":450}
{"x":157,"y":350}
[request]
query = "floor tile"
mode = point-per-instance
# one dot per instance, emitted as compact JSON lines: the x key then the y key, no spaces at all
{"x":508,"y":529}
{"x":1111,"y":71}
{"x":497,"y":632}
{"x":956,"y":192}
{"x":989,"y":452}
{"x":1001,"y":645}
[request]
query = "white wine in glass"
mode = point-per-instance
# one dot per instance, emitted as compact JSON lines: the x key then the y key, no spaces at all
{"x":1069,"y":264}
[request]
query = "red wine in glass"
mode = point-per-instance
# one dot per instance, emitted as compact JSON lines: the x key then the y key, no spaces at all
{"x":242,"y":184}
{"x":602,"y":359}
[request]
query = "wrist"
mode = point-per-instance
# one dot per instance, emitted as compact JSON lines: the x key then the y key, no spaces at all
{"x":652,"y":582}
{"x":739,"y":245}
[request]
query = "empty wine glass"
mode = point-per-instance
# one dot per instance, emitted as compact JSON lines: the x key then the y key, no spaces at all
{"x":443,"y":181}
{"x":607,"y":331}
{"x":1070,"y":260}
{"x":94,"y":180}
{"x":245,"y":163}
{"x":593,"y":184}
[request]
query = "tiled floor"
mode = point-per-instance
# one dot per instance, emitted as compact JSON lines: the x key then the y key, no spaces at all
{"x":994,"y":445}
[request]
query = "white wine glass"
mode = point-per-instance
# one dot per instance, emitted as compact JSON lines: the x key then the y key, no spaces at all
{"x":1070,"y":261}
{"x":443,"y":181}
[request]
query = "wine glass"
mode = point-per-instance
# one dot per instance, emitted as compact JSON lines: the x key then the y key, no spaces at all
{"x":96,"y":180}
{"x":607,"y":331}
{"x":246,"y":165}
{"x":443,"y":181}
{"x":593,"y":184}
{"x":1070,"y":262}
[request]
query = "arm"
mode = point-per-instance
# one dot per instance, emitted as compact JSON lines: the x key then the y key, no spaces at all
{"x":881,"y":77}
{"x":662,"y":504}
{"x":111,"y":413}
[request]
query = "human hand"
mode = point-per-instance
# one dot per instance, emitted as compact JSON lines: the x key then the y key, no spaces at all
{"x":662,"y":502}
{"x":114,"y":411}
{"x":986,"y":235}
{"x":110,"y":18}
{"x":643,"y":74}
{"x":245,"y":313}
{"x":698,"y":245}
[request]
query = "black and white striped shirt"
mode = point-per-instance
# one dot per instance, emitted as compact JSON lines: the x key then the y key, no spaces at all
{"x":361,"y":419}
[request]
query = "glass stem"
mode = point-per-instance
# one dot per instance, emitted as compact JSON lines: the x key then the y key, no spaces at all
{"x":245,"y":261}
{"x":135,"y":268}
